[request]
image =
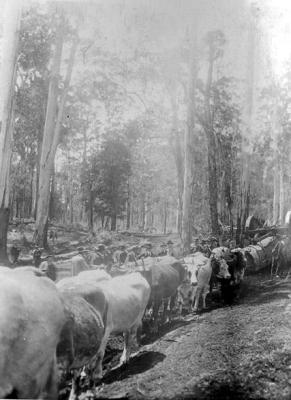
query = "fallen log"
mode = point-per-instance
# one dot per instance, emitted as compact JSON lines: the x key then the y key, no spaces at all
{"x":259,"y":256}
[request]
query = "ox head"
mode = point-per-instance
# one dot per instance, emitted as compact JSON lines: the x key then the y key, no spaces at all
{"x":223,"y":270}
{"x":218,"y":263}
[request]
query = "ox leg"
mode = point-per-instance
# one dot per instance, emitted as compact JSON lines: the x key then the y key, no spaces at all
{"x":75,"y":386}
{"x":204,"y":294}
{"x":172,"y":305}
{"x":126,"y":349}
{"x":51,"y":388}
{"x":192,"y":298}
{"x":197,"y":298}
{"x":166,"y":307}
{"x":98,"y":372}
{"x":156,"y":308}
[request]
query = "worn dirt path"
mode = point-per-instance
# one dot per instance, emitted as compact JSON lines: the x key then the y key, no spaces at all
{"x":238,"y":352}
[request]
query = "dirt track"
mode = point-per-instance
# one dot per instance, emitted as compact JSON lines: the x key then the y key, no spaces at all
{"x":238,"y":352}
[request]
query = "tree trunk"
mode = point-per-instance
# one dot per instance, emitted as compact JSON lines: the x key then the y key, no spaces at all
{"x":165,"y":218}
{"x":90,"y":211}
{"x":212,"y":184}
{"x":8,"y":76}
{"x":52,"y":194}
{"x":113,"y":222}
{"x":142,"y":224}
{"x":52,"y":133}
{"x":175,"y":144}
{"x":281,"y":195}
{"x":246,"y":151}
{"x":128,"y":207}
{"x":212,"y":148}
{"x":187,"y":220}
{"x":276,"y":194}
{"x":47,"y":158}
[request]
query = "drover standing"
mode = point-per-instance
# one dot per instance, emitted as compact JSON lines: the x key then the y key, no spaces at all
{"x":49,"y":268}
{"x":37,"y":256}
{"x":170,"y":248}
{"x":146,"y":250}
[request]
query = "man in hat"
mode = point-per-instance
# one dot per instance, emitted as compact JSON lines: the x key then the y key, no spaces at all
{"x":132,"y":255}
{"x":100,"y":250}
{"x":49,"y":268}
{"x":206,"y":247}
{"x":14,"y":253}
{"x":36,"y":255}
{"x":213,"y":243}
{"x":146,"y":250}
{"x":163,"y":250}
{"x":170,"y":248}
{"x":119,"y":256}
{"x":196,"y":246}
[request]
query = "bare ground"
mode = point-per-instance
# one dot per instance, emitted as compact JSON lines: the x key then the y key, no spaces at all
{"x":239,"y":352}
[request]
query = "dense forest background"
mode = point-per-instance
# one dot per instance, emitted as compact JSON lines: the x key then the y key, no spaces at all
{"x":153,"y":116}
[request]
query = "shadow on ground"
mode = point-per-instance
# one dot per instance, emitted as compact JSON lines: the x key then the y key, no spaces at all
{"x":268,"y":292}
{"x":150,"y":337}
{"x":136,"y":365}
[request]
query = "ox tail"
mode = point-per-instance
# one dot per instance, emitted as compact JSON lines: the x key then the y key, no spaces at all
{"x":105,"y":314}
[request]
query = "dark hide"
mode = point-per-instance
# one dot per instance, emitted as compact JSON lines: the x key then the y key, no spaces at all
{"x":230,"y":287}
{"x":164,"y":279}
{"x":86,"y":315}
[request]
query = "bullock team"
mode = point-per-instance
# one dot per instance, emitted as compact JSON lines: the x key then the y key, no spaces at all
{"x":52,"y":329}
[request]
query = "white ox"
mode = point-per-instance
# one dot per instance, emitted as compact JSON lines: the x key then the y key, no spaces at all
{"x":187,"y":290}
{"x":93,"y":276}
{"x":31,"y":319}
{"x":127,"y":298}
{"x":200,"y":272}
{"x":203,"y":280}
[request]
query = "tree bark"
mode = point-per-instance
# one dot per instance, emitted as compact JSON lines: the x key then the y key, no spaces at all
{"x":176,"y":146}
{"x":165,"y":218}
{"x":52,"y":133}
{"x":212,"y":148}
{"x":276,"y":193}
{"x":281,"y":195}
{"x":246,"y":151}
{"x":128,"y":207}
{"x":8,"y":77}
{"x":187,"y":221}
{"x":90,"y":211}
{"x":113,"y":222}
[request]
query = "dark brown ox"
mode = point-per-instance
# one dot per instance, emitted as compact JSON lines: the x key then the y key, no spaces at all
{"x":86,"y":312}
{"x":164,"y":276}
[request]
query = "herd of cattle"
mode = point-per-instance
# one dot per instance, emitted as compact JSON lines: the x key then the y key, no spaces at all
{"x":49,"y":331}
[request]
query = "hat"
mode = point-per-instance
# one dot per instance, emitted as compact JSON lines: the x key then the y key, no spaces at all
{"x":132,"y":248}
{"x":121,"y":245}
{"x":79,"y":249}
{"x":146,"y":244}
{"x":170,"y":241}
{"x":163,"y":244}
{"x":203,"y":240}
{"x":100,"y":246}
